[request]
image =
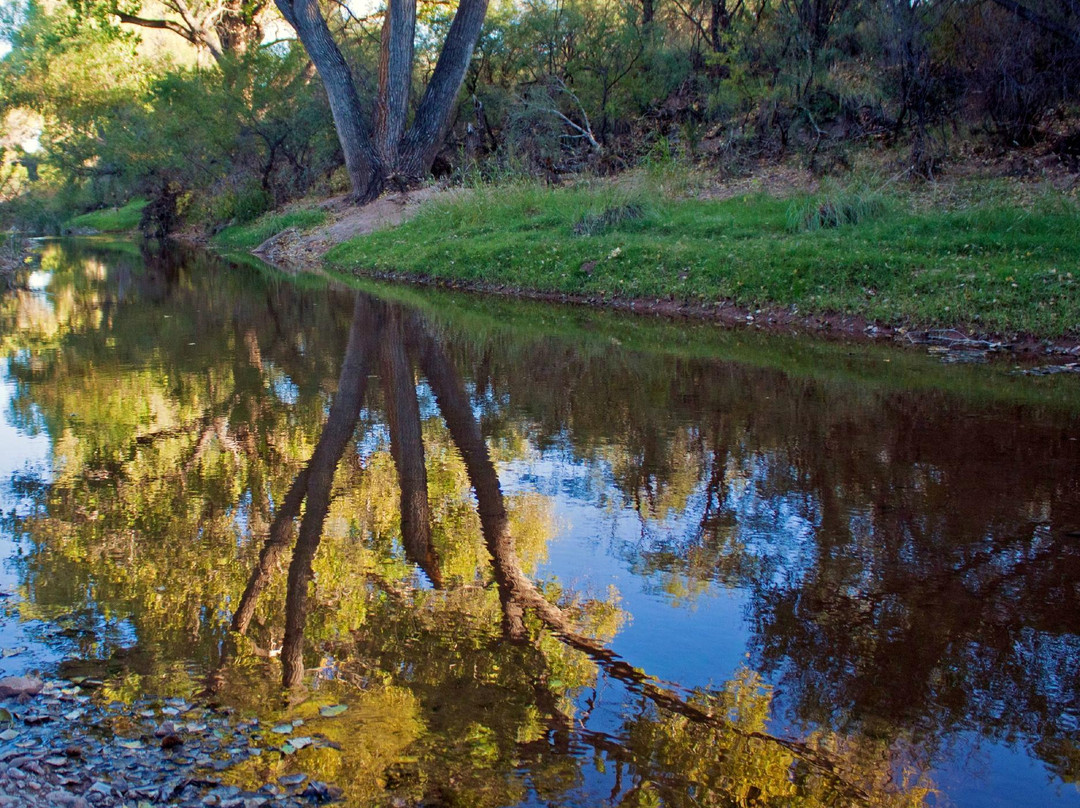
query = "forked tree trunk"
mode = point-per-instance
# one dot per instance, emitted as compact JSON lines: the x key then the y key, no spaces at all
{"x":374,"y":155}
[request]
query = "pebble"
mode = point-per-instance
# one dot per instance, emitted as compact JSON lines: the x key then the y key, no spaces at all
{"x":56,"y":761}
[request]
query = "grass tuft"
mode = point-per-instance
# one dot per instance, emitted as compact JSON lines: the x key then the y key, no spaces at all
{"x":834,"y":210}
{"x":610,"y":218}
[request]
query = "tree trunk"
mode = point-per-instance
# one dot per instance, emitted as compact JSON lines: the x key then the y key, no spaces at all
{"x":395,"y":80}
{"x":494,"y":523}
{"x":366,"y":172}
{"x":719,"y":22}
{"x":340,"y":425}
{"x":425,"y":137}
{"x":407,"y":448}
{"x":237,"y":28}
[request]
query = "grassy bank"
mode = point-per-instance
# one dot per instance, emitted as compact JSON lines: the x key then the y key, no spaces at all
{"x":251,"y":235}
{"x":982,"y":259}
{"x":109,"y":220}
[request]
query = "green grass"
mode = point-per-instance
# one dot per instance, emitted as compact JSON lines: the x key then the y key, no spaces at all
{"x":249,"y":236}
{"x":109,"y":220}
{"x":994,"y":265}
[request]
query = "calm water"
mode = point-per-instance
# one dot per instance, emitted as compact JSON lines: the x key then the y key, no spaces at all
{"x":545,"y":557}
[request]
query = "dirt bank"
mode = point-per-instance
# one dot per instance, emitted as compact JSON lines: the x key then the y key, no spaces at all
{"x":304,"y":250}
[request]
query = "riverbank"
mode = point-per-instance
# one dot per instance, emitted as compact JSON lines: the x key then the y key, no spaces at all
{"x":64,"y":742}
{"x":14,"y":252}
{"x":989,"y":265}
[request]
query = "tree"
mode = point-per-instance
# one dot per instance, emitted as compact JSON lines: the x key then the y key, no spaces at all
{"x":223,"y":27}
{"x":385,"y":151}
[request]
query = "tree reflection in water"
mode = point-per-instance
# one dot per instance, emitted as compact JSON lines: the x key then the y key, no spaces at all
{"x":686,"y":748}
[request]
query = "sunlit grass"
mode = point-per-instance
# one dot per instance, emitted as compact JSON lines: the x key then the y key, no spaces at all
{"x":995,"y":265}
{"x":109,"y":220}
{"x":249,"y":236}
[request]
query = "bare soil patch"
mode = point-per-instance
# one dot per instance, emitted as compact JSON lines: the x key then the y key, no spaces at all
{"x":303,"y":250}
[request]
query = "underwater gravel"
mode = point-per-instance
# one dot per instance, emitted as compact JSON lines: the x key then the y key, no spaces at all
{"x":61,"y":746}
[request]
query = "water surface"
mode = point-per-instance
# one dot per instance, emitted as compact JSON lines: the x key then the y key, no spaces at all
{"x":544,"y":556}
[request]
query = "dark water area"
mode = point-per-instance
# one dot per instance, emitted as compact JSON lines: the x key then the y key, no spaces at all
{"x":541,"y":556}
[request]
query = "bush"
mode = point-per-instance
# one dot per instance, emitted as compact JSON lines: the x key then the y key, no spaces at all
{"x":241,"y":205}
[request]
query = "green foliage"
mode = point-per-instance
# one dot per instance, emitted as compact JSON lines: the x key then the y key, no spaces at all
{"x":112,"y":220}
{"x":241,"y":205}
{"x":986,"y":263}
{"x":246,"y":237}
{"x":116,"y":123}
{"x":581,"y":86}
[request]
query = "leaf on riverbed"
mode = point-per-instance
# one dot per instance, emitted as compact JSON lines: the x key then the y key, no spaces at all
{"x":8,"y":735}
{"x":132,"y":744}
{"x":282,"y":729}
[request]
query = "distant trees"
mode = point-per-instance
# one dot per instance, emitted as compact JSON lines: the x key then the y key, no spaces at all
{"x":223,"y":27}
{"x":551,"y":87}
{"x":1060,"y":18}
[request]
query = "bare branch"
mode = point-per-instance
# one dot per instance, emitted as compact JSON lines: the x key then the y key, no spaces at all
{"x":584,"y":131}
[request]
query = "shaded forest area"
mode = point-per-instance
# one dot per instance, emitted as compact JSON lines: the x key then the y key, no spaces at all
{"x":213,"y":111}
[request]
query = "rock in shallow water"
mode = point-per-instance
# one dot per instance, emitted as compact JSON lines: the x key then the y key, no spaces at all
{"x":15,"y":687}
{"x":109,"y":758}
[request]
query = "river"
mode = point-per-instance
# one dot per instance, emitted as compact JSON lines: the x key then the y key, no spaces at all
{"x":505,"y":554}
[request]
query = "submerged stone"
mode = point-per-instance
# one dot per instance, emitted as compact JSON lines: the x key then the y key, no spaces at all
{"x":20,"y":687}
